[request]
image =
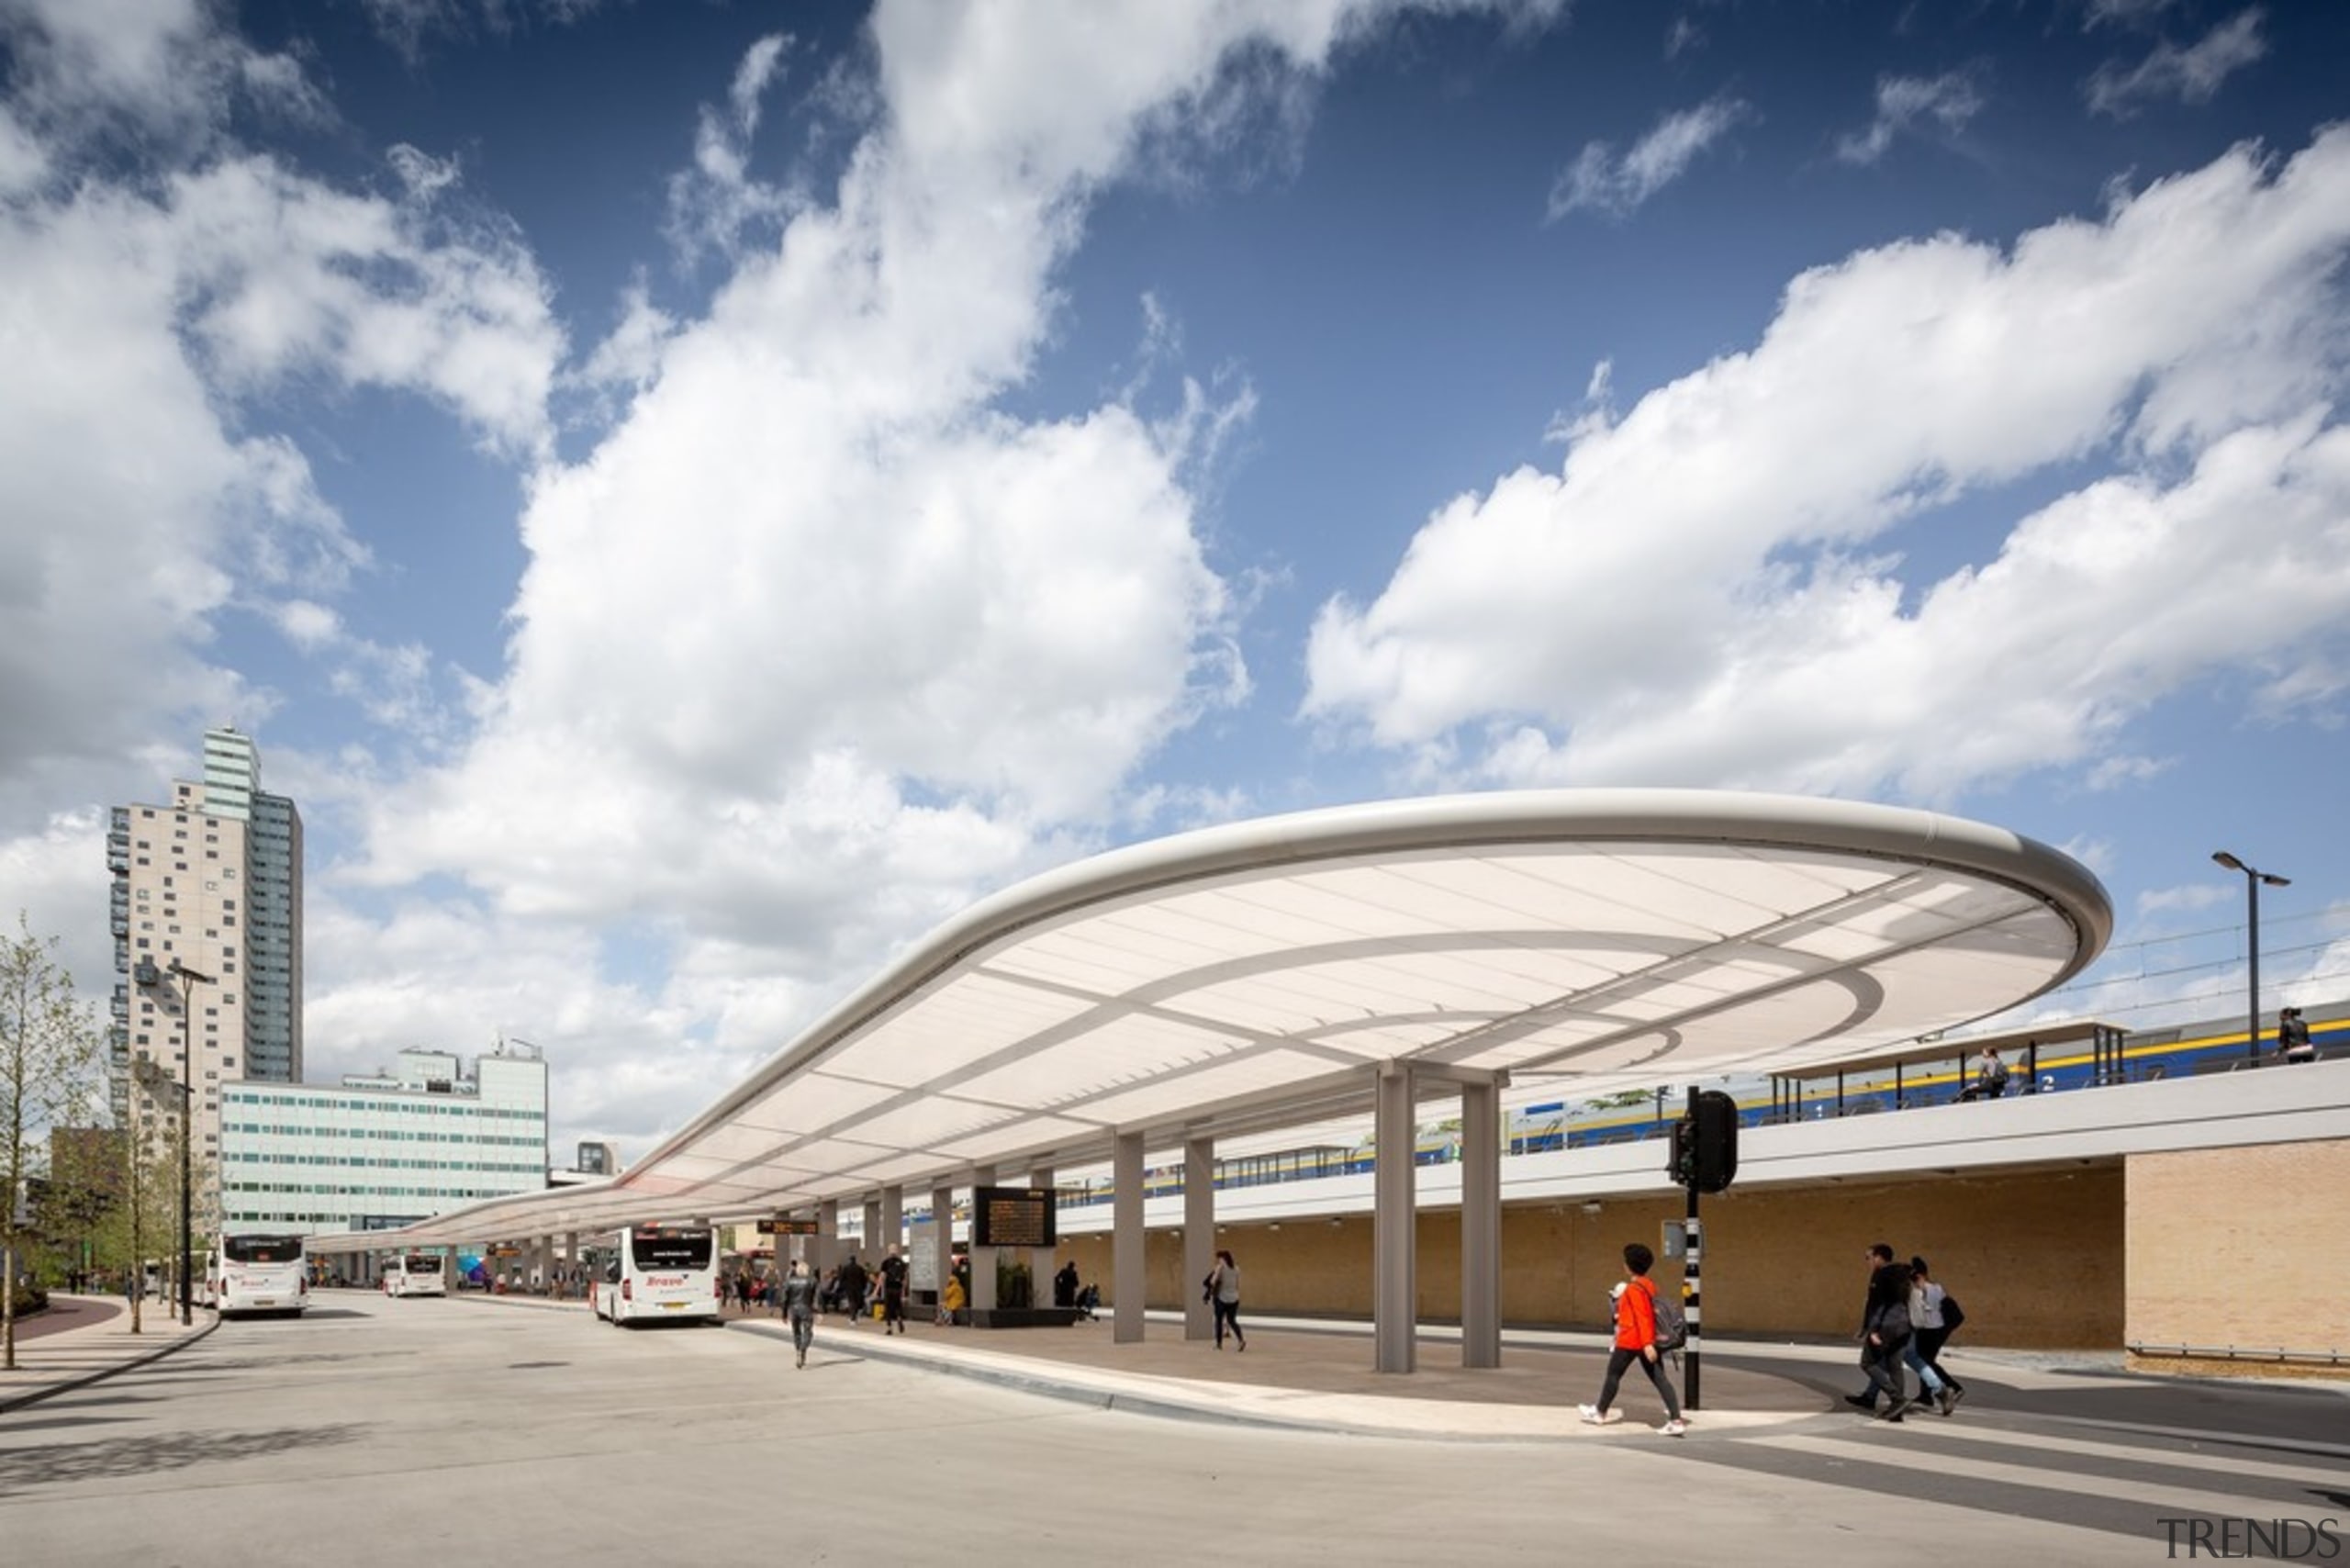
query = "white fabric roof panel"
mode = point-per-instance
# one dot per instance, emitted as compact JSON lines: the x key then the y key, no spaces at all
{"x":1223,"y":979}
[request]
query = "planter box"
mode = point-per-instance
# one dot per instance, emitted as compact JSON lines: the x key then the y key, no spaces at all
{"x":1024,"y":1316}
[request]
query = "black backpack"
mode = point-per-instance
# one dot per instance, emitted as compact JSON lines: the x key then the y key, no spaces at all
{"x":1672,"y":1322}
{"x":1954,"y":1316}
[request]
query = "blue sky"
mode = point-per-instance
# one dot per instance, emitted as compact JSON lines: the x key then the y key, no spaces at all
{"x":688,"y":496}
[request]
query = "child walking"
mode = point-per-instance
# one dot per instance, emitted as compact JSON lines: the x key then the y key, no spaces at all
{"x":1636,"y":1341}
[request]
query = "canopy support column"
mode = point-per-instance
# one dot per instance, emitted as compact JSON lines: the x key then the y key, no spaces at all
{"x":893,"y":1223}
{"x":1481,"y":1224}
{"x":1129,"y":1268}
{"x":942,"y":1237}
{"x":1394,"y":1247}
{"x":1199,"y":1233}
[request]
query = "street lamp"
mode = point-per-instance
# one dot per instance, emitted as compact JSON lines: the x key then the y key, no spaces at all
{"x":2252,"y":880}
{"x":189,"y":979}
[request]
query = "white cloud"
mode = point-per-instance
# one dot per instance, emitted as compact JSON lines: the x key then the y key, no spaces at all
{"x":2189,"y":75}
{"x":1689,"y":599}
{"x":1903,"y":102}
{"x":1599,"y":181}
{"x":2187,"y":897}
{"x":818,"y":641}
{"x":716,"y":204}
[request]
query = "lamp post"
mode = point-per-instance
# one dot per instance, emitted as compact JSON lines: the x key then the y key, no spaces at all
{"x":2252,"y":880}
{"x":189,"y":979}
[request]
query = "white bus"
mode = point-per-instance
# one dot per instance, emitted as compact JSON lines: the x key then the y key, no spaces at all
{"x":258,"y":1274}
{"x":658,"y":1273}
{"x":415,"y":1274}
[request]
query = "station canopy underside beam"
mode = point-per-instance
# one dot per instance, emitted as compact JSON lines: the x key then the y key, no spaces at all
{"x":1261,"y":974}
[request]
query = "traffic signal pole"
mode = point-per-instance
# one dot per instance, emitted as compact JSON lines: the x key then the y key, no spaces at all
{"x":1692,"y":1234}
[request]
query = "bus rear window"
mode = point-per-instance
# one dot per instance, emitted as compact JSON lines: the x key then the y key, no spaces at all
{"x":422,"y":1265}
{"x":686,"y":1250}
{"x":262,"y":1248}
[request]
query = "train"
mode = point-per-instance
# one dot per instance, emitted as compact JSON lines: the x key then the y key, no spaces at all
{"x":2099,"y":1056}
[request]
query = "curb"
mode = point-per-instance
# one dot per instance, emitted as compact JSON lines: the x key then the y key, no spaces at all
{"x":1063,"y":1389}
{"x":18,"y":1401}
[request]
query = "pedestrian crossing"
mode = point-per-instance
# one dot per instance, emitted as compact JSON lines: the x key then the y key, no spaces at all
{"x":2120,"y":1479}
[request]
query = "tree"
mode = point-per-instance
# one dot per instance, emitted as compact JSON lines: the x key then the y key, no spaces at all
{"x":49,"y":1073}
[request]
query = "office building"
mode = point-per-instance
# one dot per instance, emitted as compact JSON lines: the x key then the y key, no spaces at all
{"x":384,"y":1149}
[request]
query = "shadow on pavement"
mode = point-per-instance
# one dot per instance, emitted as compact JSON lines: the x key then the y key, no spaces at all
{"x":121,"y":1459}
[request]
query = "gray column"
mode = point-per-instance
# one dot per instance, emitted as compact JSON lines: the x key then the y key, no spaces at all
{"x":1129,"y":1265}
{"x":1481,"y":1224}
{"x":942,"y":1235}
{"x":571,"y":1263}
{"x":828,"y":1235}
{"x":1199,"y":1234}
{"x":893,"y":1222}
{"x":1041,"y":1264}
{"x":874,"y":1244}
{"x":982,"y":1258}
{"x":1393,"y":1254}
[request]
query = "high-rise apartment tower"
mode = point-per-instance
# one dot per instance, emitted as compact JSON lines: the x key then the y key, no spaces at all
{"x":212,"y":881}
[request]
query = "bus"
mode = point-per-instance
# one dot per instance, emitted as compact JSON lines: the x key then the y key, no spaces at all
{"x":658,"y":1273}
{"x":258,"y":1274}
{"x":415,"y":1274}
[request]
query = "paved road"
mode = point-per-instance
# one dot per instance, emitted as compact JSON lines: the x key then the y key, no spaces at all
{"x":379,"y":1431}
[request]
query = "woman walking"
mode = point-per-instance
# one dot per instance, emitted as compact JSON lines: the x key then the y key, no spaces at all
{"x":1935,"y":1316}
{"x":1223,"y":1288}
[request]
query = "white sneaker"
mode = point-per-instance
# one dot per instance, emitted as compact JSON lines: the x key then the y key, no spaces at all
{"x":1674,"y":1427}
{"x":1595,"y":1416}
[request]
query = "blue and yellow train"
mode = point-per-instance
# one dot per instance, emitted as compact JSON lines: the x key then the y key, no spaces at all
{"x":2079,"y":1057}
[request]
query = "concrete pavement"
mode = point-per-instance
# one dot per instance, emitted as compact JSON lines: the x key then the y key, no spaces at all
{"x":1318,"y":1376}
{"x":83,"y":1338}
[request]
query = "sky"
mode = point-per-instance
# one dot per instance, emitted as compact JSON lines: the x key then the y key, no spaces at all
{"x":688,"y":496}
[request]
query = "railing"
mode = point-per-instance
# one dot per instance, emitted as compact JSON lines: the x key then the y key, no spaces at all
{"x":2241,"y":1353}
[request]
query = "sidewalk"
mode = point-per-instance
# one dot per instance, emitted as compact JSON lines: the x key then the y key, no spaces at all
{"x":82,"y":1339}
{"x":1319,"y":1375}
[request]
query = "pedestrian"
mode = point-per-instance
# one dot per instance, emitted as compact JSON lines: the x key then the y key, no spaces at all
{"x":951,"y":1300}
{"x":1884,"y":1333}
{"x":1635,"y":1340}
{"x":1065,"y":1284}
{"x":1933,"y":1318}
{"x":1222,"y":1288}
{"x":893,"y":1294}
{"x":852,"y":1287}
{"x":2293,"y":1037}
{"x":1990,"y":1077}
{"x":798,"y":1295}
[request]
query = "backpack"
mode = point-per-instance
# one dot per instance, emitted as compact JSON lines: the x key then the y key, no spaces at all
{"x":1954,"y":1316}
{"x":1672,"y":1322}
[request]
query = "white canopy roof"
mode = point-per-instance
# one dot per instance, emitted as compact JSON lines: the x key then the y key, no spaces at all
{"x":1261,"y":973}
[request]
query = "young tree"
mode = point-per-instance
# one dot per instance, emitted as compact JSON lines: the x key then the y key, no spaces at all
{"x":48,"y":1072}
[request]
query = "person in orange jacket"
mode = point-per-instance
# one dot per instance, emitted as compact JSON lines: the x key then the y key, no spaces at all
{"x":1636,"y":1341}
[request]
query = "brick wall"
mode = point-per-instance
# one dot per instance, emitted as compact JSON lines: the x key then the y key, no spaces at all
{"x":2036,"y":1257}
{"x":2240,"y":1247}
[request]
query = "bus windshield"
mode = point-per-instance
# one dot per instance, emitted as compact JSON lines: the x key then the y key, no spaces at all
{"x":261,"y":1248}
{"x":672,"y":1249}
{"x":418,"y":1263}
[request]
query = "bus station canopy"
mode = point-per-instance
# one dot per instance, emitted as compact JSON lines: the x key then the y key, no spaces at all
{"x":1264,"y":973}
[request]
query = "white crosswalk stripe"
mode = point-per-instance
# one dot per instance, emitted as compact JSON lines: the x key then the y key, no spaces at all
{"x":2334,"y":1475}
{"x":1890,"y":1450}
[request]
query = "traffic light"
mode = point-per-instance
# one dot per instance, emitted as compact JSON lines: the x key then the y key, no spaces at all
{"x":1705,"y":1144}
